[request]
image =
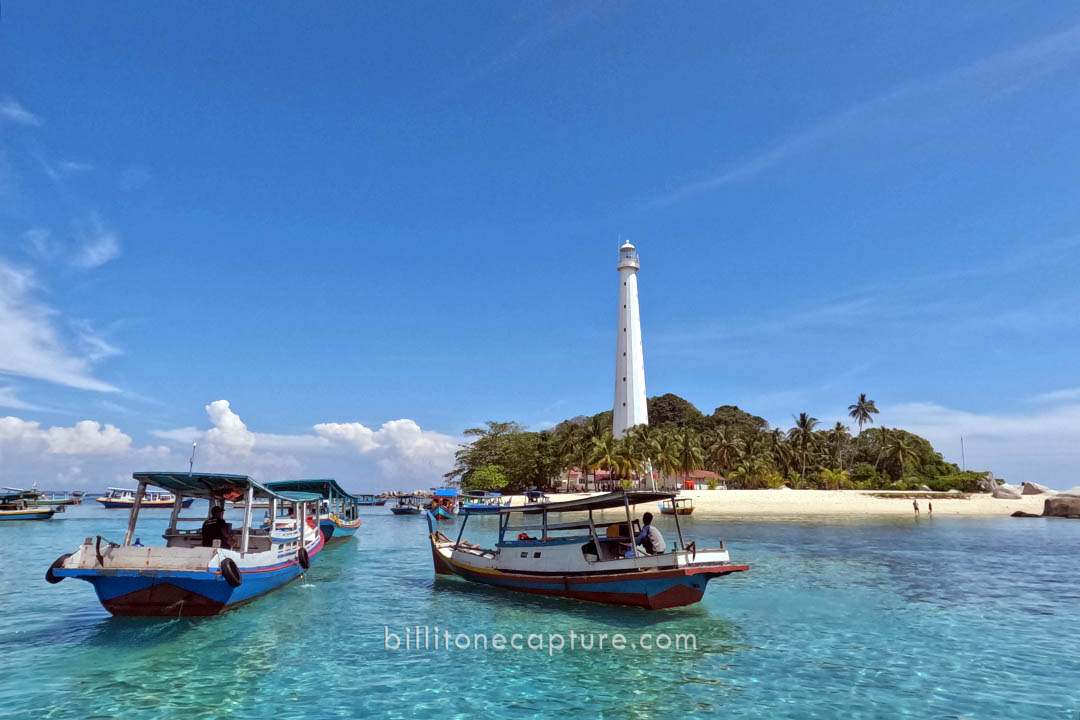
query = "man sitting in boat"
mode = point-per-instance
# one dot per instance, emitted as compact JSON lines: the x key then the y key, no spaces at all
{"x":649,"y":539}
{"x":215,"y":528}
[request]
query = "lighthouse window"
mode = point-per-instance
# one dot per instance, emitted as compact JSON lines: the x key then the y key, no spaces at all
{"x":624,"y":379}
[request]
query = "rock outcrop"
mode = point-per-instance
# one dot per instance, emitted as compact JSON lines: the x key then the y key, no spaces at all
{"x":1006,"y":492}
{"x":1063,"y":505}
{"x":1021,"y":513}
{"x":1030,"y":488}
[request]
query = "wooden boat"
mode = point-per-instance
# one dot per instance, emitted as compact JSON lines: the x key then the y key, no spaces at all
{"x":444,"y":503}
{"x":339,"y":513}
{"x":536,"y":496}
{"x":183,"y":577}
{"x":23,"y":505}
{"x":125,"y":498}
{"x":483,"y":502}
{"x":574,"y":560}
{"x":406,"y":506}
{"x":677,"y":506}
{"x":55,"y":499}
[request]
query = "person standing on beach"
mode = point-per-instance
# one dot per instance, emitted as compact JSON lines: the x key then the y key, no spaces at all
{"x":929,"y":508}
{"x":915,"y":502}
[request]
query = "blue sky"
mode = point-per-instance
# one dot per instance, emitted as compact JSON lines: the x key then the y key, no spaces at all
{"x":367,"y":227}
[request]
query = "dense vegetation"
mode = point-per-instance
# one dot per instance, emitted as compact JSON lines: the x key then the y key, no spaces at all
{"x":681,"y":439}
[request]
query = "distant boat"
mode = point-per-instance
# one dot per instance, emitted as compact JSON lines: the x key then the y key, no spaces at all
{"x":406,"y":506}
{"x":677,"y":506}
{"x":483,"y":502}
{"x":444,"y":503}
{"x":583,"y":559}
{"x":50,"y":498}
{"x":125,"y":498}
{"x":187,"y":576}
{"x":339,"y":513}
{"x":23,"y":505}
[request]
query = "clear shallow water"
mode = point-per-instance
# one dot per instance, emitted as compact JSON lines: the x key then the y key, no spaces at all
{"x":940,"y":618}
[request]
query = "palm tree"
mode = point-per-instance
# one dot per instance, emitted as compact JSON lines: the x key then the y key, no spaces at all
{"x":838,"y":435}
{"x":606,"y":454}
{"x":666,"y":453}
{"x":897,"y":446}
{"x":802,"y":435}
{"x":862,"y":411}
{"x":722,"y":448}
{"x":780,"y":452}
{"x":643,"y":441}
{"x":691,"y":456}
{"x":575,"y":449}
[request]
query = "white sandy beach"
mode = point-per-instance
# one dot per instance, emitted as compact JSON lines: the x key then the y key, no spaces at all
{"x":839,"y":503}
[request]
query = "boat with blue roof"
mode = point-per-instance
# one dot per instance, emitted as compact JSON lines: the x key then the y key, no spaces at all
{"x":586,"y":558}
{"x":339,"y":512}
{"x":444,"y":503}
{"x":191,"y":575}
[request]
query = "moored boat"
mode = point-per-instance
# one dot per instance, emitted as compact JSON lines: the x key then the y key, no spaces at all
{"x":677,"y":506}
{"x":125,"y":498}
{"x":23,"y":505}
{"x":483,"y":502}
{"x":190,"y":576}
{"x":444,"y":503}
{"x":406,"y":506}
{"x":339,"y":513}
{"x":573,"y":560}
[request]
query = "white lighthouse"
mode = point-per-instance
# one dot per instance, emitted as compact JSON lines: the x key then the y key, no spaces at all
{"x":630,"y":408}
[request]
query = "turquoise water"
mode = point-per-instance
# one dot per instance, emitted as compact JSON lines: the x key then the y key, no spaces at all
{"x":943,"y":618}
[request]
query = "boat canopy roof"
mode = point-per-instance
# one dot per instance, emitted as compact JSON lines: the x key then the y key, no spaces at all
{"x":482,"y":494}
{"x":619,"y":498}
{"x":446,"y":492}
{"x":13,"y":494}
{"x":206,"y":485}
{"x":324,"y":487}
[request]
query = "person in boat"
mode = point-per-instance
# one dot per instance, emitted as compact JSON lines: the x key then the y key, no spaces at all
{"x":215,"y":528}
{"x":649,"y":539}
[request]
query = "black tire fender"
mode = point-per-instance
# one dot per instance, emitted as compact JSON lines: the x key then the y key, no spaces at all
{"x":231,"y":572}
{"x":302,"y":556}
{"x":58,"y":562}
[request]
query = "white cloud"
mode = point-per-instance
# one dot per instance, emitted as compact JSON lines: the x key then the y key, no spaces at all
{"x":85,"y":437}
{"x":98,"y":245}
{"x":1057,"y":396}
{"x":73,"y":166}
{"x":399,"y":450}
{"x":1041,"y":446}
{"x":11,"y":110}
{"x":32,"y":345}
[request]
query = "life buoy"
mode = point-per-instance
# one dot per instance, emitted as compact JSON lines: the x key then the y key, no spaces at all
{"x":231,"y":572}
{"x":58,"y":562}
{"x":524,"y":536}
{"x":302,"y":556}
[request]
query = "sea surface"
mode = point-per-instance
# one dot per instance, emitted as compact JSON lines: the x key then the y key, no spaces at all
{"x":928,"y":618}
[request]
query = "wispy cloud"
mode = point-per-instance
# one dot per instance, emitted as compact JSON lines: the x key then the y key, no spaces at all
{"x":32,"y":344}
{"x":97,"y":244}
{"x":977,"y":84}
{"x":8,"y":399}
{"x":1057,"y":396}
{"x":10,"y":109}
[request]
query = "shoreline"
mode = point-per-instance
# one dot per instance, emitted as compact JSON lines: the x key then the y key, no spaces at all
{"x":838,"y":503}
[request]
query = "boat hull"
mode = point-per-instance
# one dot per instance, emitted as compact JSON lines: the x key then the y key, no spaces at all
{"x":443,"y":514}
{"x":680,"y":511}
{"x":37,"y":513}
{"x":328,"y":528}
{"x":344,"y":530}
{"x":165,"y":593}
{"x":405,"y":510}
{"x":144,"y":505}
{"x":481,"y":509}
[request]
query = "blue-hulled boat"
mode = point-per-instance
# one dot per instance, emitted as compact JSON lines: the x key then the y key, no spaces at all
{"x":483,"y":502}
{"x":185,"y":577}
{"x":444,"y":503}
{"x":574,"y":560}
{"x":339,"y":513}
{"x":23,"y":505}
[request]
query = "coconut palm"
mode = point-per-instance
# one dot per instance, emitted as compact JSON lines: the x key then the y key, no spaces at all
{"x":691,"y":456}
{"x":803,"y":436}
{"x":839,"y":435}
{"x":606,"y":453}
{"x":643,"y":440}
{"x":722,"y":448}
{"x":898,"y":447}
{"x":862,"y":411}
{"x":666,"y":453}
